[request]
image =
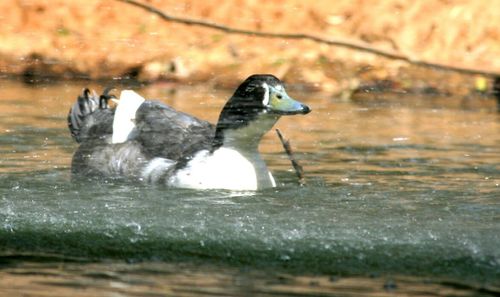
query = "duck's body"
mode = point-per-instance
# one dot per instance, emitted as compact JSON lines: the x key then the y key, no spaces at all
{"x":150,"y":141}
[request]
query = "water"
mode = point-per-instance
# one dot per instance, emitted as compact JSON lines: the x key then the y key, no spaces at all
{"x":401,"y":198}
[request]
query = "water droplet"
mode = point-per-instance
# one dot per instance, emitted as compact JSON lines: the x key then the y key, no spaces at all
{"x":285,"y":258}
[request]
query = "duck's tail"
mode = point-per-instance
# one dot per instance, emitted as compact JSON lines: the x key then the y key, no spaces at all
{"x":86,"y":103}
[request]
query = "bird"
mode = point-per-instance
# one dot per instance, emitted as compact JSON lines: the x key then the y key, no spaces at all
{"x":149,"y":141}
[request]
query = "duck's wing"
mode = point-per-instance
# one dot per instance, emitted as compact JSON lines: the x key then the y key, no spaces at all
{"x":164,"y":132}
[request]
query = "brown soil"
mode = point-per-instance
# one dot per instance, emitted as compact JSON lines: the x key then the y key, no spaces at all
{"x":103,"y":39}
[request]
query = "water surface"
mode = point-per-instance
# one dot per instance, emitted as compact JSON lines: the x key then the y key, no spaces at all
{"x":401,"y":197}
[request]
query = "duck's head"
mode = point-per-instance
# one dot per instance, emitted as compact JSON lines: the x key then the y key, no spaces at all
{"x":254,"y":108}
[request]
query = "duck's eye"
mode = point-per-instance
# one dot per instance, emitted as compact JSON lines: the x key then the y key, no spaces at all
{"x":279,"y":96}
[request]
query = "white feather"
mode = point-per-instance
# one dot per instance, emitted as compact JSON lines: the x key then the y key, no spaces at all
{"x":265,"y":101}
{"x":123,"y":122}
{"x":226,"y":168}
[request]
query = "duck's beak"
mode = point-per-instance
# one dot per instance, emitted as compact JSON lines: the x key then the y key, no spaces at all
{"x":282,"y":104}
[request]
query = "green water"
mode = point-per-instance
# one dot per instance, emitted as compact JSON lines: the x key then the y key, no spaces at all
{"x":402,"y":190}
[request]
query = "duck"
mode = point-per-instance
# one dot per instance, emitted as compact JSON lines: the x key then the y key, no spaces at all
{"x":149,"y":141}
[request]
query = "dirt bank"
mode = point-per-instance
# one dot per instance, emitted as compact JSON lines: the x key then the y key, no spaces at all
{"x":98,"y":39}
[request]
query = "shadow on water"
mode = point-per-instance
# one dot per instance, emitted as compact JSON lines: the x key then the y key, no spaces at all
{"x":399,"y":200}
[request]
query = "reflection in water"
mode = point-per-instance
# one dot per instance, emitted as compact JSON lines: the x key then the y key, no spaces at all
{"x":407,"y":194}
{"x":160,"y":279}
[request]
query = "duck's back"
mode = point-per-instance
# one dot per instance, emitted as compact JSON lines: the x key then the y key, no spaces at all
{"x":167,"y":133}
{"x":160,"y":133}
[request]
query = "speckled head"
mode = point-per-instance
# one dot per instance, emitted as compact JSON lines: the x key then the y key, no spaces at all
{"x":259,"y":96}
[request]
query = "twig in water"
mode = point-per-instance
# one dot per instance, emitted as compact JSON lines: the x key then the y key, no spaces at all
{"x":302,"y":36}
{"x":288,"y":149}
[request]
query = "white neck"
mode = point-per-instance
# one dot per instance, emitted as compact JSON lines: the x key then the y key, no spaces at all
{"x":247,"y":138}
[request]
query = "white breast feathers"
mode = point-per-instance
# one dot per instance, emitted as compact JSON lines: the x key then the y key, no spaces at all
{"x":225,"y":168}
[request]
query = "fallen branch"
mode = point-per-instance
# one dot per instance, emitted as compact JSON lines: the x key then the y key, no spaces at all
{"x":288,"y":149}
{"x":334,"y":42}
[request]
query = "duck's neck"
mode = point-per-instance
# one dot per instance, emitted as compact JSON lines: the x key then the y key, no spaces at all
{"x":244,"y":138}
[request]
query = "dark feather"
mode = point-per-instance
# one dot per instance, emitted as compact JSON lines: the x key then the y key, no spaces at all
{"x":165,"y":132}
{"x":90,"y":117}
{"x":99,"y":159}
{"x":85,"y":104}
{"x":98,"y":124}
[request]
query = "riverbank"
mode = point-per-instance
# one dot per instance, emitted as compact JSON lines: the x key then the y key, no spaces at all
{"x":47,"y":40}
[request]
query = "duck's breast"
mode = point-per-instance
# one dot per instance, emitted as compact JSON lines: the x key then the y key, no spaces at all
{"x":223,"y":169}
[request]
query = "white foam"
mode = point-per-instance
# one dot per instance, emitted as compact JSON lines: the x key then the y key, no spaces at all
{"x":156,"y":169}
{"x":124,"y":120}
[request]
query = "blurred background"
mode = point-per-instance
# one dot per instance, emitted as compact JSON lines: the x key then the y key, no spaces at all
{"x":97,"y":39}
